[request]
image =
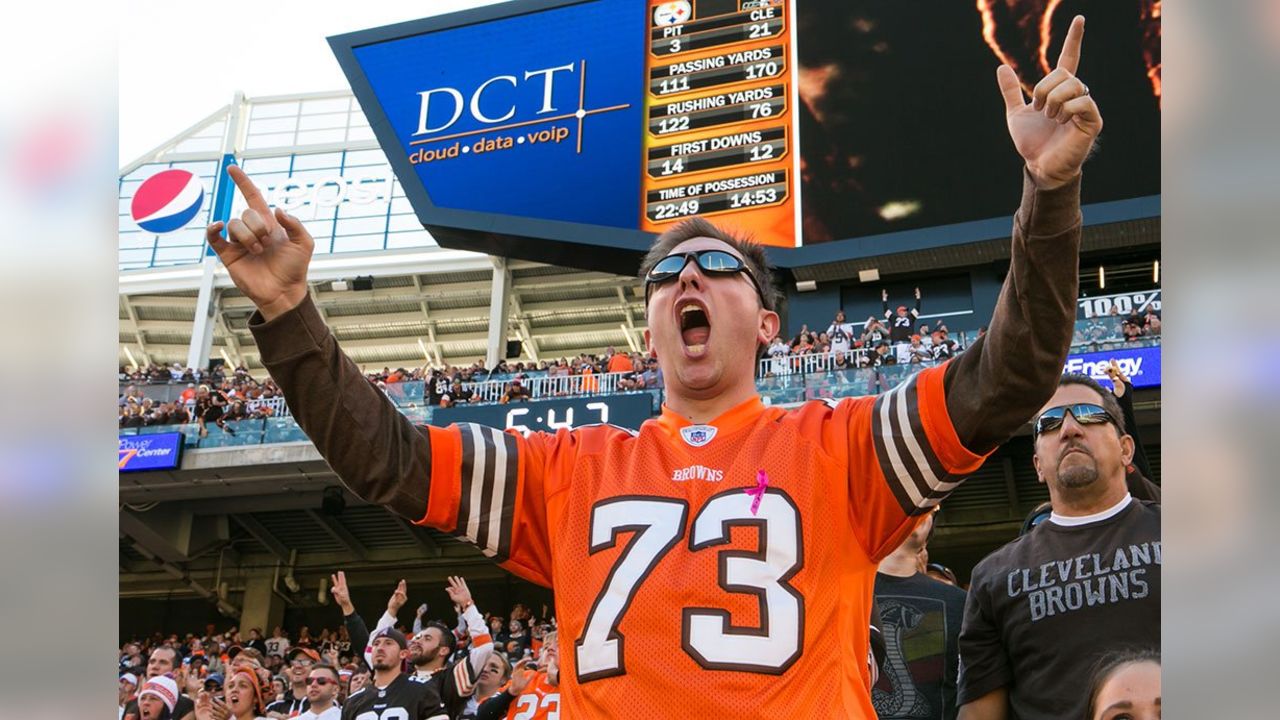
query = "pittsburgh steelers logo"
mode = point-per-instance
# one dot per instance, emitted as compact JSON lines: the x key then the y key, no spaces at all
{"x":672,"y":13}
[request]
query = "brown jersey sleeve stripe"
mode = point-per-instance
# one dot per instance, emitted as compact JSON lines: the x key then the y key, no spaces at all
{"x":506,"y":499}
{"x":467,"y":475}
{"x":484,"y":509}
{"x":882,"y":440}
{"x":917,"y":430}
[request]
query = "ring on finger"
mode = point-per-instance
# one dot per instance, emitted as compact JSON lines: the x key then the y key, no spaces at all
{"x":1086,"y":89}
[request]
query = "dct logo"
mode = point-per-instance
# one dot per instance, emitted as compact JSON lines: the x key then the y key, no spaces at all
{"x":499,"y":106}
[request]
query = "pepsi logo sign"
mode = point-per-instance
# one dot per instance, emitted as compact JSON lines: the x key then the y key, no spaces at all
{"x":167,"y":201}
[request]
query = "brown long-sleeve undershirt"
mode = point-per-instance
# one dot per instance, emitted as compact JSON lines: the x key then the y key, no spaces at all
{"x":992,"y":388}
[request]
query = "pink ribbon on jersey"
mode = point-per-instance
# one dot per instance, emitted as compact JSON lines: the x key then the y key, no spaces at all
{"x":757,"y":492}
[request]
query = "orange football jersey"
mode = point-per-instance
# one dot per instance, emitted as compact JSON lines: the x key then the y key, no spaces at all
{"x":539,"y":701}
{"x":711,"y":570}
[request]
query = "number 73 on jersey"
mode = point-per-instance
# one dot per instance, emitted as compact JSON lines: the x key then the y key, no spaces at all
{"x":708,"y":635}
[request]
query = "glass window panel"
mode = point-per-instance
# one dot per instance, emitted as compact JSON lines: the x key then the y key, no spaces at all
{"x":135,"y":240}
{"x":327,"y":121}
{"x":361,"y":225}
{"x":143,"y":172}
{"x":203,"y":168}
{"x":375,"y":208}
{"x":404,"y":222}
{"x":362,"y":132}
{"x":314,"y":161}
{"x":193,"y":145}
{"x":356,"y":243}
{"x":211,"y":130}
{"x":265,"y":110}
{"x":176,"y":255}
{"x":421,"y":238}
{"x":360,"y":158}
{"x":135,"y":255}
{"x":266,"y":164}
{"x":256,"y":142}
{"x":328,"y":105}
{"x":186,"y":236}
{"x":273,"y":125}
{"x":318,"y":137}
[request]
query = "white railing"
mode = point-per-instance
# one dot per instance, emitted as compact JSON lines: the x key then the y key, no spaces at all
{"x":548,"y":386}
{"x":277,"y":405}
{"x":817,"y":362}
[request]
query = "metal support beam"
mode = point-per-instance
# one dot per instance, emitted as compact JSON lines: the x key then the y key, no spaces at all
{"x":420,"y":536}
{"x":522,"y":325}
{"x":205,"y":311}
{"x":499,"y":296}
{"x":150,"y":539}
{"x":232,"y":341}
{"x":262,"y":535}
{"x":339,"y":532}
{"x":137,"y":330}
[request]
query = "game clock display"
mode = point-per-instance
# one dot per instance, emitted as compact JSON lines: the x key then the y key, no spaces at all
{"x":628,"y":411}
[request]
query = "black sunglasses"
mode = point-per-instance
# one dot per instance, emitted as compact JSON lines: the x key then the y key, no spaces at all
{"x":712,"y":262}
{"x":322,"y":681}
{"x":1084,"y":413}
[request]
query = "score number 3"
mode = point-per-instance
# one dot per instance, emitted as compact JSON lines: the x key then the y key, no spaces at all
{"x":708,"y":634}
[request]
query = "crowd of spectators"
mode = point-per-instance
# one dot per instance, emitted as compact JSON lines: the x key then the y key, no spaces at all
{"x":1117,"y":330}
{"x":897,"y":338}
{"x":190,"y":676}
{"x":209,"y":398}
{"x":893,"y":339}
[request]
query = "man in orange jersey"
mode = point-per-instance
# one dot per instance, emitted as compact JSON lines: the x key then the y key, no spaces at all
{"x":722,"y":546}
{"x":533,"y":692}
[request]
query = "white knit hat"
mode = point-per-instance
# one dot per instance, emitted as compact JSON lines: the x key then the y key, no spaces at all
{"x":164,"y":688}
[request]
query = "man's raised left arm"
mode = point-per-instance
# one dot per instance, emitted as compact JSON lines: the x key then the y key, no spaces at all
{"x":996,"y":386}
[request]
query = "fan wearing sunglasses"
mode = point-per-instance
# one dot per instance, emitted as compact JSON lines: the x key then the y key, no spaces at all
{"x":1085,"y":580}
{"x":743,"y":533}
{"x":322,"y":692}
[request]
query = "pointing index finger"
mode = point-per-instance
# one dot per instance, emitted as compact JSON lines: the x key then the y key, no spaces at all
{"x":252,"y":195}
{"x":1069,"y":59}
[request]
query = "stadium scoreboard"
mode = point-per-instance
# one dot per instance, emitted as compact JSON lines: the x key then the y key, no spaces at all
{"x":572,"y":131}
{"x":542,"y":126}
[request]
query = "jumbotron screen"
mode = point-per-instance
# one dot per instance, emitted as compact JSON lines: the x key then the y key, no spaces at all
{"x":594,"y":124}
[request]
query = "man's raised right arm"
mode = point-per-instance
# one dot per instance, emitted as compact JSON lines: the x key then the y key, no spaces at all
{"x":375,"y":450}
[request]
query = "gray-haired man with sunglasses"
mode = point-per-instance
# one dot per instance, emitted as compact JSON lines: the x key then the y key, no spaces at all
{"x":1043,"y":609}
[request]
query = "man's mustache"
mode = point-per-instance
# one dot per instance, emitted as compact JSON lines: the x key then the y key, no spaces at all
{"x":1074,"y":445}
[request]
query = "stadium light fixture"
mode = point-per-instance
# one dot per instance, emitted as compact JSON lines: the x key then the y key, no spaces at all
{"x":872,"y":275}
{"x":806,"y":285}
{"x":1155,"y":272}
{"x":1102,"y":277}
{"x":132,"y":363}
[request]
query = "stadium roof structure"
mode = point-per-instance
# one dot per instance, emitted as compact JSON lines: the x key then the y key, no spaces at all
{"x":315,"y":154}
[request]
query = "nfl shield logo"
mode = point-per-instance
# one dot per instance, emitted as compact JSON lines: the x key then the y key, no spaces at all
{"x":698,"y":435}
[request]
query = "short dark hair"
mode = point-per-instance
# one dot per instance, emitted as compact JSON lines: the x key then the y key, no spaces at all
{"x":695,"y":227}
{"x":1109,"y":663}
{"x":330,"y":668}
{"x":448,"y":640}
{"x":1109,"y":401}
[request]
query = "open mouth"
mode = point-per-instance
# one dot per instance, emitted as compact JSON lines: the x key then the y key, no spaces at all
{"x":695,"y":326}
